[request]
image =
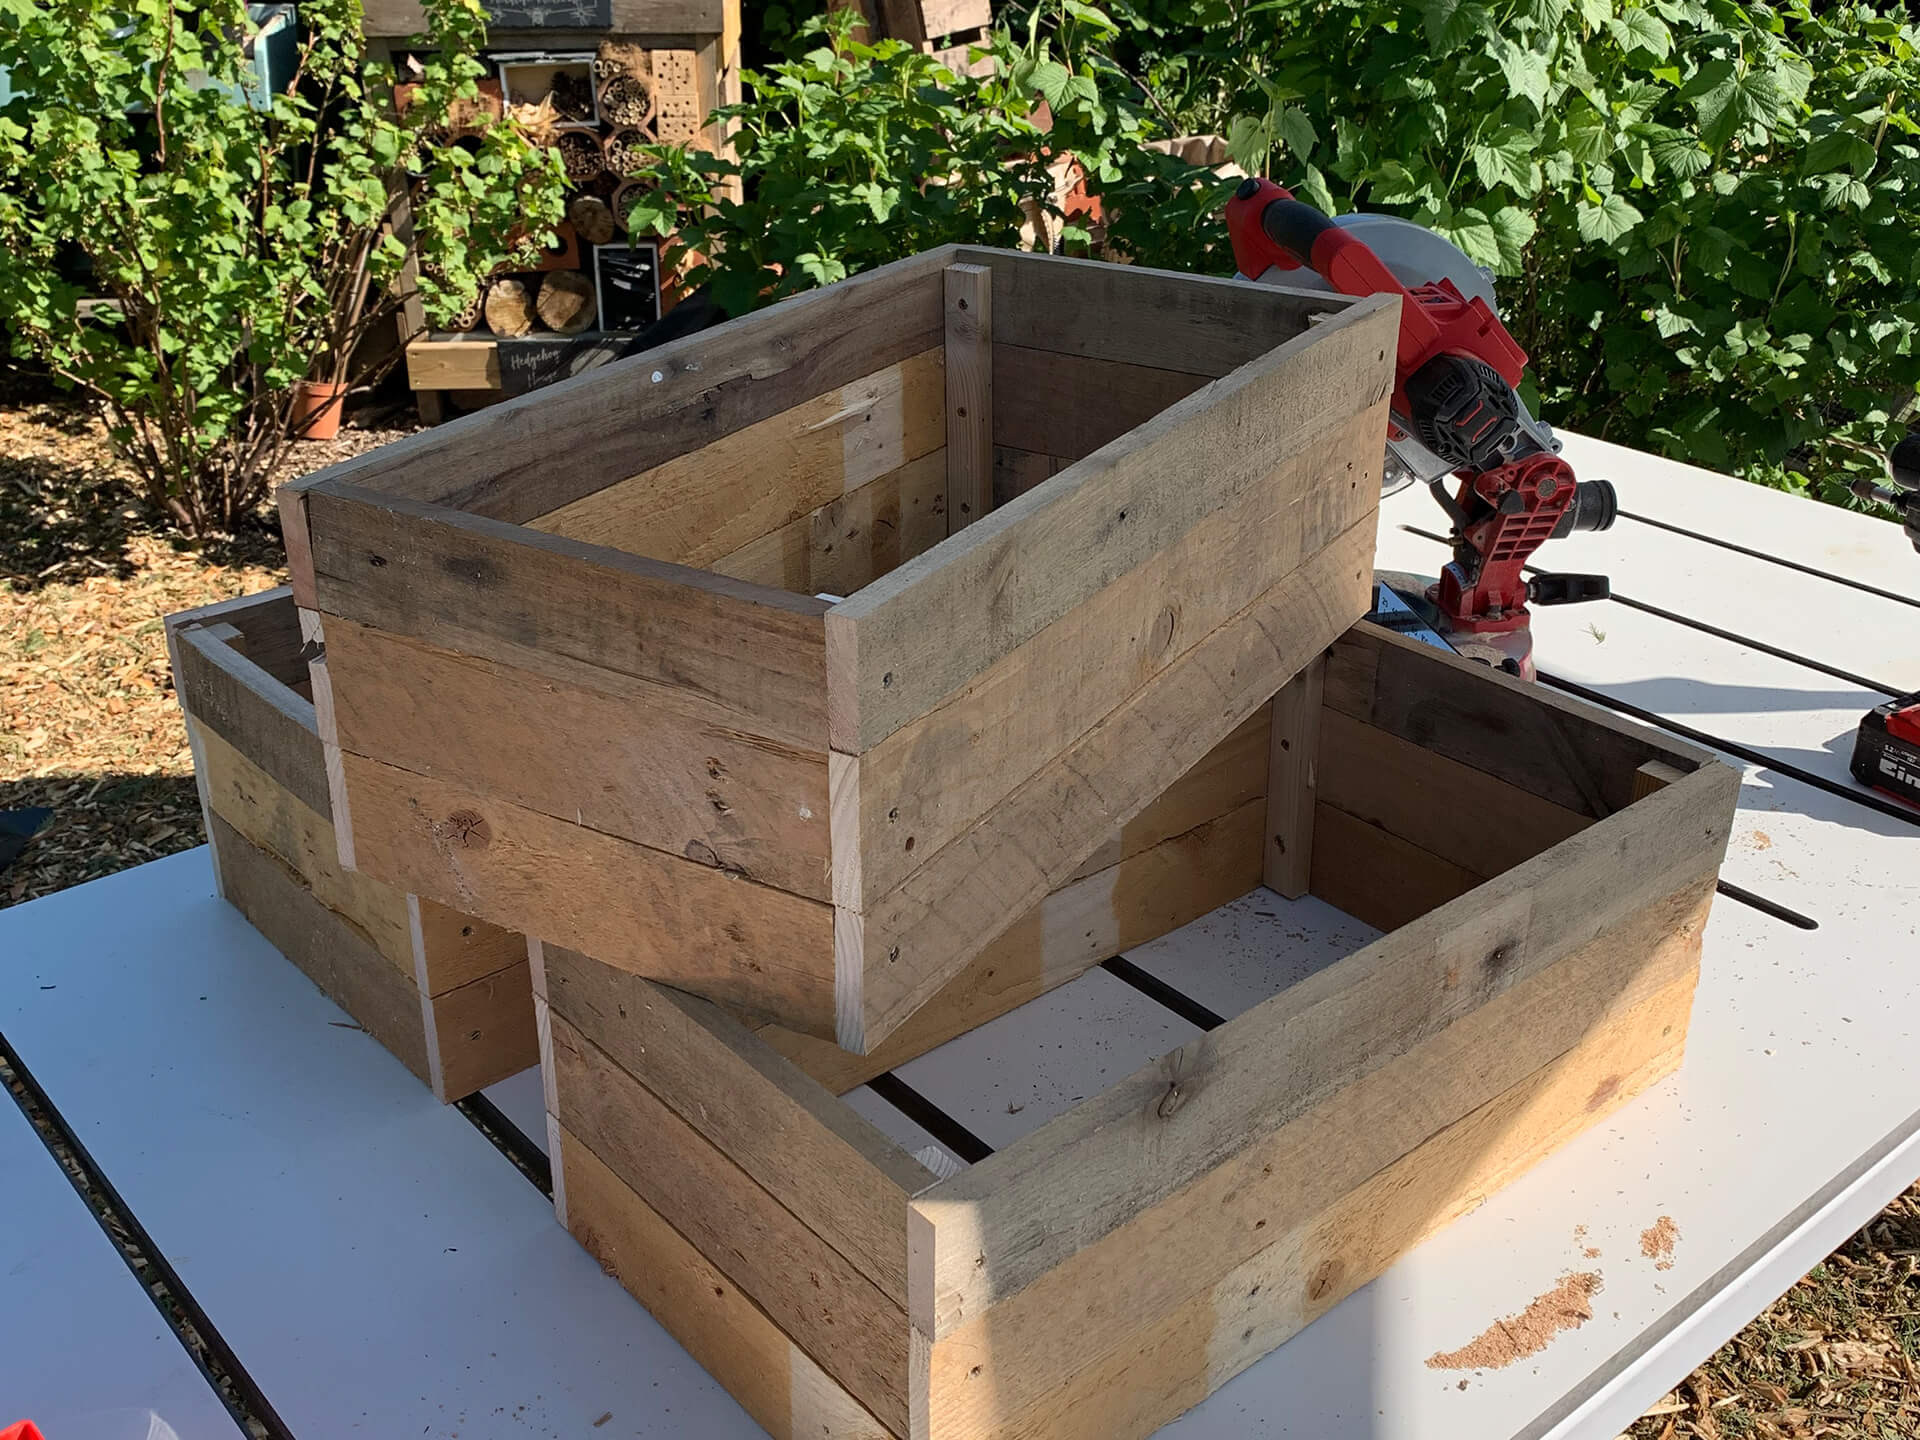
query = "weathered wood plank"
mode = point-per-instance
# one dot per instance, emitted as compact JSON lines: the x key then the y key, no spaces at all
{"x":269,"y":817}
{"x":1201,"y":324}
{"x":634,"y":414}
{"x":1292,"y":762}
{"x":258,"y":716}
{"x":1166,"y":1365}
{"x":1069,"y":405}
{"x":775,"y":1381}
{"x":269,"y":623}
{"x":451,"y":949}
{"x":479,"y":1033}
{"x":1017,"y":471}
{"x":453,"y":365}
{"x":813,"y":1293}
{"x":936,"y":777}
{"x":497,"y":591}
{"x":1376,"y":876}
{"x":970,"y":392}
{"x":1139,"y":898}
{"x":697,"y":507}
{"x":1572,"y":755}
{"x":1025,"y":1207}
{"x":328,"y":948}
{"x":851,"y":541}
{"x":840,"y":1177}
{"x":893,"y":957}
{"x":1463,"y":815}
{"x":669,"y":772}
{"x":919,"y":635}
{"x":748,"y":946}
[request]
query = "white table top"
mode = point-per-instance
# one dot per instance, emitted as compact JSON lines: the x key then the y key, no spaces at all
{"x":430,"y":1288}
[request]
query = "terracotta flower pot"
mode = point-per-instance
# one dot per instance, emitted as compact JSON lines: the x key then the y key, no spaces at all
{"x":316,"y":409}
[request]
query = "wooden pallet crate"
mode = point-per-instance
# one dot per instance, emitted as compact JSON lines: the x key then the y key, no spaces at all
{"x":1544,"y":873}
{"x":580,"y":680}
{"x":447,"y":994}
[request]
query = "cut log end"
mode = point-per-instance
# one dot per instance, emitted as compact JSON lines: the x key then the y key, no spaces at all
{"x":566,"y":303}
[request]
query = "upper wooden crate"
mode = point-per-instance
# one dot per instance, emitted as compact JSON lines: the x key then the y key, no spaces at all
{"x":587,"y":674}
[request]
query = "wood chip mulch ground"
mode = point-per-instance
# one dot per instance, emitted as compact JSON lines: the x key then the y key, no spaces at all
{"x":89,"y":728}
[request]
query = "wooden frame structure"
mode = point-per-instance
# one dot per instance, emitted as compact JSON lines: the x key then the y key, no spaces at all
{"x":446,"y":994}
{"x":1086,"y":520}
{"x":1117,"y":1264}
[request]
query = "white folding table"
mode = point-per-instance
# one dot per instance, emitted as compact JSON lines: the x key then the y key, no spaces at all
{"x":377,"y":1266}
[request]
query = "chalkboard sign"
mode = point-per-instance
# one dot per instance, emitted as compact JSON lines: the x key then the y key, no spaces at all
{"x":628,"y":279}
{"x":572,"y":15}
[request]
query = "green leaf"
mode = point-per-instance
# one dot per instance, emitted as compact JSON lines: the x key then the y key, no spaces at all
{"x":1642,"y":30}
{"x":1473,"y":231}
{"x":1451,"y":23}
{"x":1607,"y":221}
{"x":1050,"y":78}
{"x":1845,"y":190}
{"x":1525,"y":70}
{"x":1585,"y":135}
{"x":1838,"y":149}
{"x":1507,"y":159}
{"x":1314,"y":189}
{"x":1297,"y":131}
{"x":1513,"y":231}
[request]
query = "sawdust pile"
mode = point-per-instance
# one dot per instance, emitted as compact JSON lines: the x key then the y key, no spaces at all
{"x":1656,"y":1242}
{"x":1567,"y":1306}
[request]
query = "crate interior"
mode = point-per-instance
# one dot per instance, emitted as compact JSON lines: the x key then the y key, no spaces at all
{"x":851,"y":481}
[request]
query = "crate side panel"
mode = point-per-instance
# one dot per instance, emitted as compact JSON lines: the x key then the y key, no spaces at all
{"x":939,"y":775}
{"x":535,"y":453}
{"x":242,"y":702}
{"x":502,"y":593}
{"x":913,"y":639}
{"x":841,"y":1178}
{"x":662,"y":768}
{"x":705,"y":504}
{"x":481,"y":1032}
{"x":1376,"y":876}
{"x":1072,"y":1315}
{"x":853,"y":540}
{"x":269,"y":626}
{"x":775,"y":1381}
{"x":1286,"y":1055}
{"x":752,"y":947}
{"x":1069,"y":405}
{"x":814,"y":1294}
{"x":1147,"y":1377}
{"x":329,"y":949}
{"x":451,"y":949}
{"x":948,"y":911}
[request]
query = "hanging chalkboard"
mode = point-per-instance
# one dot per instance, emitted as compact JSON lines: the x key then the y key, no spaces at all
{"x":628,"y":279}
{"x":570,"y":15}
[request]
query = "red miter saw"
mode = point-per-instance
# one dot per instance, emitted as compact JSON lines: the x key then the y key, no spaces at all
{"x":1456,"y":417}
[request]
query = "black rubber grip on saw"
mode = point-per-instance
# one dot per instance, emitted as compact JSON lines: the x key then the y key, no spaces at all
{"x":1294,"y":225}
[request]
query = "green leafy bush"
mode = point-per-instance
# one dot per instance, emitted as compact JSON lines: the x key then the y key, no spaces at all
{"x":1707,"y":213}
{"x":243,"y":240}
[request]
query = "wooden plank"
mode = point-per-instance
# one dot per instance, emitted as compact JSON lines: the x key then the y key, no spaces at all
{"x":1071,"y":405}
{"x":1655,"y":775}
{"x":1200,"y":324}
{"x":1027,"y":1207}
{"x":903,"y":21}
{"x":1163,"y":1366}
{"x":1129,"y":902}
{"x":950,"y":17}
{"x":775,"y":1381}
{"x":1292,"y":759}
{"x":844,"y":1180}
{"x":451,"y":949}
{"x":328,"y":948}
{"x":748,"y":946}
{"x":908,"y":944}
{"x":291,"y":501}
{"x":851,"y":541}
{"x":498,"y":592}
{"x":271,"y":818}
{"x":628,"y":417}
{"x":1567,"y":753}
{"x":269,"y":623}
{"x":255,"y":714}
{"x":1375,"y":875}
{"x":479,"y":1033}
{"x":1463,"y":815}
{"x":970,"y":388}
{"x":709,"y":502}
{"x":1017,"y":471}
{"x":654,"y":19}
{"x":912,"y":639}
{"x":814,"y":1294}
{"x":666,"y":770}
{"x":453,"y":365}
{"x":932,"y":780}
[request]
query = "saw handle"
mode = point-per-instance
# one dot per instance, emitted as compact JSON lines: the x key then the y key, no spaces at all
{"x":1294,"y":226}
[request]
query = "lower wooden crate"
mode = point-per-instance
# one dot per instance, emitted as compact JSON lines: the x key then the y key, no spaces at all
{"x":1543,"y":875}
{"x":448,"y":995}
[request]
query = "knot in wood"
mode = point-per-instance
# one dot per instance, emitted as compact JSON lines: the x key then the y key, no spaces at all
{"x":1171,"y":1101}
{"x":469,"y":828}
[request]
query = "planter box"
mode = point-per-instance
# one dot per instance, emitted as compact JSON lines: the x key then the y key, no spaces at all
{"x":447,"y":994}
{"x":587,"y":674}
{"x":1549,"y":871}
